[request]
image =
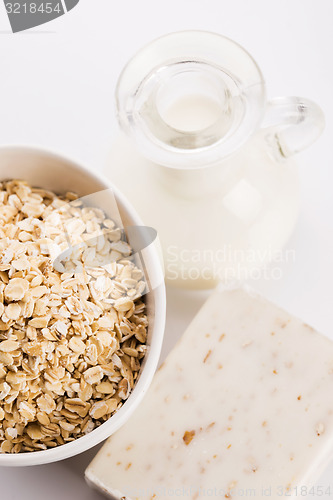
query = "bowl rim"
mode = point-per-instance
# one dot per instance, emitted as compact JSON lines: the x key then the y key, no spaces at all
{"x":105,"y":430}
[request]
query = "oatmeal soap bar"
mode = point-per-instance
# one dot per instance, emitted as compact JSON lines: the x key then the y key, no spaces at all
{"x":243,"y":406}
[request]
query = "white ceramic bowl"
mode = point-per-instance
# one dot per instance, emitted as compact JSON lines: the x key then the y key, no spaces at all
{"x":44,"y":169}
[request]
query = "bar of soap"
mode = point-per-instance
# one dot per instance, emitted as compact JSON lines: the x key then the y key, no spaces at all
{"x":243,"y":406}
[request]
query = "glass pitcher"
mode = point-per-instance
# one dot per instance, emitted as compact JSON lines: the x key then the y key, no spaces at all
{"x":205,"y":159}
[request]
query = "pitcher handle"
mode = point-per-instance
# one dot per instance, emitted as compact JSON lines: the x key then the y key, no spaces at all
{"x":293,"y":123}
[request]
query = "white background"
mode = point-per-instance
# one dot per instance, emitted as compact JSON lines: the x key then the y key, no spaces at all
{"x":56,"y":90}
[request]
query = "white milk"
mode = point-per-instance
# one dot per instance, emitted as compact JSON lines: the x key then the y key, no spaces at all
{"x":192,"y":112}
{"x":192,"y":99}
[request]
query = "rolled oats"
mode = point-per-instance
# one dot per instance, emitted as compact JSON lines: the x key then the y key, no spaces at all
{"x":77,"y":345}
{"x":15,"y":289}
{"x":105,"y":388}
{"x":98,"y":410}
{"x":123,"y":304}
{"x":124,"y":389}
{"x":9,"y":345}
{"x":93,"y":375}
{"x":66,"y":426}
{"x":13,"y":311}
{"x":42,"y":418}
{"x":76,"y":405}
{"x":71,"y":337}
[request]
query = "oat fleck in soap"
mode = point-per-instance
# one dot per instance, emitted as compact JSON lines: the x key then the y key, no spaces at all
{"x":243,"y":406}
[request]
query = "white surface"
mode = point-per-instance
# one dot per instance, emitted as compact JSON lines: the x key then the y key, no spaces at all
{"x":57,"y":85}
